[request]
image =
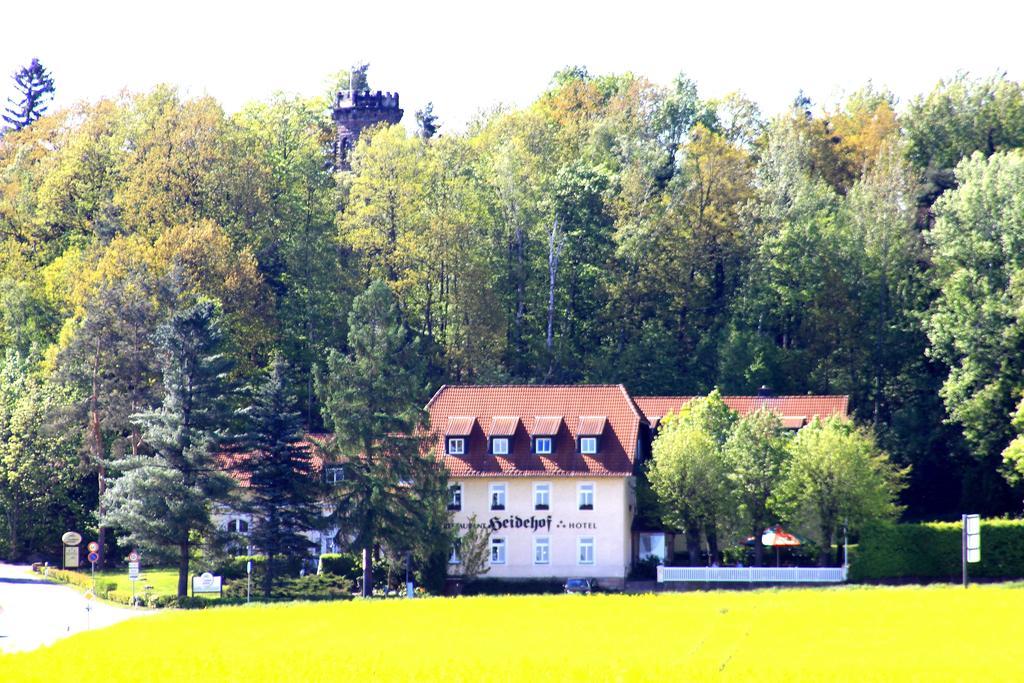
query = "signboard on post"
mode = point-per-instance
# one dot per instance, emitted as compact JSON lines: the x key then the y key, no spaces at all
{"x":206,"y":583}
{"x":71,"y":560}
{"x":971,"y":542}
{"x":133,"y":571}
{"x":71,"y":539}
{"x":94,"y":547}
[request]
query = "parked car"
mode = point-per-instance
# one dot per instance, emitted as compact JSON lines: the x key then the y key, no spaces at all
{"x":583,"y":586}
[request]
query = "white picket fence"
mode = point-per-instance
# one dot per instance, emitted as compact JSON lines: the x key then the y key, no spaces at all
{"x":752,"y":574}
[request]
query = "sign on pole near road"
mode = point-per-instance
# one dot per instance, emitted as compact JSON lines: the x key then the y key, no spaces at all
{"x":71,"y":539}
{"x":94,"y":547}
{"x":133,"y":571}
{"x":971,"y":542}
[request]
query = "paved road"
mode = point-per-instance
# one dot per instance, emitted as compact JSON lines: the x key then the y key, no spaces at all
{"x":36,"y":612}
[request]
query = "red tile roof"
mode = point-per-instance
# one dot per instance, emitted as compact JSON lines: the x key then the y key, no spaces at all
{"x":567,"y":404}
{"x":795,"y":411}
{"x":546,"y":426}
{"x":460,"y":425}
{"x":503,"y":426}
{"x":592,"y":425}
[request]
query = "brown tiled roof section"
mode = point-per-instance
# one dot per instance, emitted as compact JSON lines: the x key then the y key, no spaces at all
{"x":592,"y":425}
{"x":618,"y":449}
{"x":314,"y":444}
{"x":460,"y":425}
{"x":503,"y":426}
{"x":546,"y":426}
{"x":789,"y":408}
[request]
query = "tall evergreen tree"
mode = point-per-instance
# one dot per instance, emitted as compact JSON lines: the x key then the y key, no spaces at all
{"x":283,"y":494}
{"x":426,"y":122}
{"x":161,"y":500}
{"x":372,"y":399}
{"x":35,"y":85}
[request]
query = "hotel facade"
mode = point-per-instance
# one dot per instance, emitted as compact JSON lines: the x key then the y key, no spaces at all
{"x":550,"y":472}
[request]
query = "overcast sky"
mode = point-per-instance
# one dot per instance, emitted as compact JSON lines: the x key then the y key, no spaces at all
{"x":467,"y":56}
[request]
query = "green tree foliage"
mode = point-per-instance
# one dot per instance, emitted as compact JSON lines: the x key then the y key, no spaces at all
{"x":837,"y":477}
{"x":282,"y":492}
{"x":756,"y":456}
{"x":688,"y":471}
{"x":164,"y":498}
{"x":392,"y":493}
{"x":975,"y":323}
{"x":35,"y":87}
{"x":42,"y":487}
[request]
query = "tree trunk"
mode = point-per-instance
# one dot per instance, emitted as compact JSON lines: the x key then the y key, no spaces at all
{"x":826,"y":548}
{"x":693,"y":545}
{"x":96,"y":442}
{"x":712,"y":535}
{"x":268,"y":575}
{"x":367,"y":572}
{"x":183,"y":569}
{"x":758,"y":546}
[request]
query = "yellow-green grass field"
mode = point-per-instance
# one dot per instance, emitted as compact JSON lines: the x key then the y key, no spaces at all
{"x":852,"y":634}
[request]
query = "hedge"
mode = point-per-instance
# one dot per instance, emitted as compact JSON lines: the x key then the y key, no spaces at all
{"x":349,"y":565}
{"x":931,"y":552}
{"x":235,"y":567}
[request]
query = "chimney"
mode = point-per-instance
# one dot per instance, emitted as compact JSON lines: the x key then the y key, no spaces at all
{"x":764,"y":392}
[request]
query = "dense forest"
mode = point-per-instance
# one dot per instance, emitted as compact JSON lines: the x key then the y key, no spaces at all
{"x":615,"y":230}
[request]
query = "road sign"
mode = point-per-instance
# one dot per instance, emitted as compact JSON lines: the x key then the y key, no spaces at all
{"x":71,"y":538}
{"x":94,"y":557}
{"x":133,"y":571}
{"x":94,"y":547}
{"x":71,"y":560}
{"x":133,"y":556}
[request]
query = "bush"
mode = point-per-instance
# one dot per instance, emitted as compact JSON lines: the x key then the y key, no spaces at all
{"x":311,"y":587}
{"x":931,"y":552}
{"x":645,"y":569}
{"x":349,"y":565}
{"x":235,"y":567}
{"x":486,"y":586}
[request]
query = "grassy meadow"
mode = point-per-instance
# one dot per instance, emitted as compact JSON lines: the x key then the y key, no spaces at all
{"x":942,"y":633}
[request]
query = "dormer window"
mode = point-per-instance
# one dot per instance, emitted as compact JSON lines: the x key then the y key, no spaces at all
{"x":588,"y":434}
{"x":545,"y":429}
{"x":457,"y":434}
{"x":503,"y":429}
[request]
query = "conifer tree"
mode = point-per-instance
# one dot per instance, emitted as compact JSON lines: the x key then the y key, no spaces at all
{"x":283,"y":494}
{"x":35,"y":84}
{"x":161,"y":500}
{"x":372,"y":400}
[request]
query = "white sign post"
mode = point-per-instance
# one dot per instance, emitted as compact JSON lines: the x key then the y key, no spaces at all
{"x":971,"y":545}
{"x":133,"y":571}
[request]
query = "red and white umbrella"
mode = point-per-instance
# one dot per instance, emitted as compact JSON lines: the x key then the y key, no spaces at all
{"x":776,"y":537}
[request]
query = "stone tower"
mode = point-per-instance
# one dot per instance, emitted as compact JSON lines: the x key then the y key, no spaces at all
{"x":354,"y":111}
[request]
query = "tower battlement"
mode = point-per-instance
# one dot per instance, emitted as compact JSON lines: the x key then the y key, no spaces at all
{"x":366,"y":99}
{"x":356,"y":110}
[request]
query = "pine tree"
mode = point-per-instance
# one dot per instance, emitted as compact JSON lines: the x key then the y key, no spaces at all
{"x":35,"y":84}
{"x":282,"y":495}
{"x":162,"y":500}
{"x":426,"y":121}
{"x":372,"y":399}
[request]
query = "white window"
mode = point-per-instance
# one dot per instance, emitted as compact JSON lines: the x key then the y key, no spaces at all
{"x":499,"y":445}
{"x":541,"y":550}
{"x":497,"y":551}
{"x":334,"y":475}
{"x":541,"y":496}
{"x":497,"y":496}
{"x":588,"y":445}
{"x":456,"y":446}
{"x":652,"y":545}
{"x":238,"y":526}
{"x":454,"y":557}
{"x":542,"y":445}
{"x":585,"y":550}
{"x":455,"y":497}
{"x":585,"y":496}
